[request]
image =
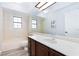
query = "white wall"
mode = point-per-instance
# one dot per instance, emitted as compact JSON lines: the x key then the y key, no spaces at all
{"x":47,"y":23}
{"x":72,"y":22}
{"x":60,"y":23}
{"x":59,"y":28}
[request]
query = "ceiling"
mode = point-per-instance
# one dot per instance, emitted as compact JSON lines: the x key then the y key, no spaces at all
{"x":55,"y":7}
{"x":26,"y":7}
{"x":29,"y":7}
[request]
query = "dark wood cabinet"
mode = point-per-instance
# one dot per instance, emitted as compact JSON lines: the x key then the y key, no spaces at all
{"x":38,"y":49}
{"x":41,"y":50}
{"x":53,"y":52}
{"x":31,"y":48}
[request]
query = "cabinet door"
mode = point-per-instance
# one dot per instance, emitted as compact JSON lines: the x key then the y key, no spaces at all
{"x":32,"y":47}
{"x":41,"y":50}
{"x":29,"y":46}
{"x":54,"y":53}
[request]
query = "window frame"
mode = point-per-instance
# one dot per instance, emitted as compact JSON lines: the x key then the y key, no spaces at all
{"x":17,"y":22}
{"x":34,"y":24}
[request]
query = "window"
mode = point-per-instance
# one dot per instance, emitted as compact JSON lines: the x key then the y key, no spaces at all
{"x":34,"y":24}
{"x":17,"y":22}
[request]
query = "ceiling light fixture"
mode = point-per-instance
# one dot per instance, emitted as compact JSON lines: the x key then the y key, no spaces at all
{"x":47,"y":5}
{"x":40,"y":4}
{"x":44,"y":5}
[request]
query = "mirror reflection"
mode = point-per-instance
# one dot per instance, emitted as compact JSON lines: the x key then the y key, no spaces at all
{"x":61,"y":19}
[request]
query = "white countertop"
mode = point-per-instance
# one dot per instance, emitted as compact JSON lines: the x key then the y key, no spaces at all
{"x":66,"y":47}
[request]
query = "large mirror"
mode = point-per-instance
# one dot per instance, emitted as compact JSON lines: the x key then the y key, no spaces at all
{"x":61,"y":19}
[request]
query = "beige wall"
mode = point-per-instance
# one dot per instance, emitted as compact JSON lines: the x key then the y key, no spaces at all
{"x":40,"y":24}
{"x":11,"y":38}
{"x":10,"y":32}
{"x":1,"y":26}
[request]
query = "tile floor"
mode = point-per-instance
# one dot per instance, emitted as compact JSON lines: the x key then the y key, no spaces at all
{"x":15,"y":52}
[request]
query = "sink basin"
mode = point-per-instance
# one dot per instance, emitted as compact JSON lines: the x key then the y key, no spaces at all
{"x":43,"y":38}
{"x":46,"y":38}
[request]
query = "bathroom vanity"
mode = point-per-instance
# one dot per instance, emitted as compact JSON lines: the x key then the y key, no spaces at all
{"x":45,"y":45}
{"x":38,"y":49}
